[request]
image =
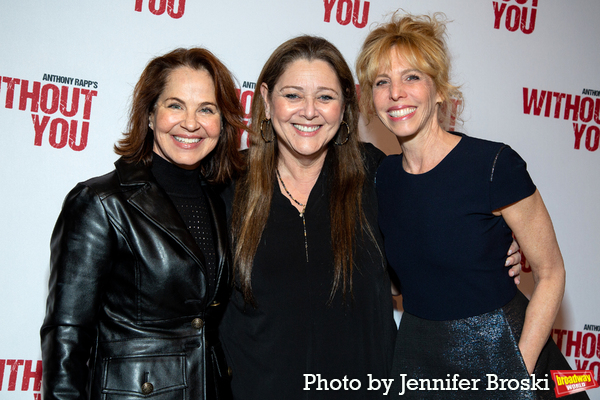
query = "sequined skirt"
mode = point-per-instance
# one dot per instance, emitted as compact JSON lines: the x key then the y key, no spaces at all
{"x":472,"y":358}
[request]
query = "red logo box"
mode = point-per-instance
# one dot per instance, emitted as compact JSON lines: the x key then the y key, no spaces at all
{"x":569,"y":382}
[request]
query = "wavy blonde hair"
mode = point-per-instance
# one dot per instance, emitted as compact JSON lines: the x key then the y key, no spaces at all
{"x":420,"y":39}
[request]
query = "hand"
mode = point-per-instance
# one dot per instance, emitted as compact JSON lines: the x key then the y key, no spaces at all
{"x":514,"y":259}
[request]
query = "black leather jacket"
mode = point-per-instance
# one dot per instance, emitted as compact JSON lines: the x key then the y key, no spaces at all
{"x":128,"y":313}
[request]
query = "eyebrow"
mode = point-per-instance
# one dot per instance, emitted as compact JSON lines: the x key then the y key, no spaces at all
{"x":300,"y":88}
{"x":205,"y":103}
{"x":405,"y":71}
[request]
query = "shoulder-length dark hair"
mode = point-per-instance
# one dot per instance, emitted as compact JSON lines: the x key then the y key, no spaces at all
{"x":224,"y":162}
{"x":254,"y":191}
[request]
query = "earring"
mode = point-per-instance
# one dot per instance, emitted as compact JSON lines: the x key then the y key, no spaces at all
{"x":337,"y":142}
{"x":262,"y":134}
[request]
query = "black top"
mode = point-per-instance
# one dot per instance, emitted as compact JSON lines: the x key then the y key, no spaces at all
{"x":441,"y":237}
{"x":293,"y":331}
{"x":185,"y":191}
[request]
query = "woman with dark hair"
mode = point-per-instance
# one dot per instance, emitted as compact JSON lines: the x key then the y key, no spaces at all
{"x":462,"y":315}
{"x":312,"y":293}
{"x":139,"y":270}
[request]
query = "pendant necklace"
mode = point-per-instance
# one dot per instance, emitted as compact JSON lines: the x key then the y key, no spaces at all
{"x":301,"y":212}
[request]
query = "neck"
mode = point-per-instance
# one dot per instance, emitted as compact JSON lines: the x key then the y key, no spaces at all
{"x":300,"y":170}
{"x":173,"y":179}
{"x":424,"y":150}
{"x":299,"y":175}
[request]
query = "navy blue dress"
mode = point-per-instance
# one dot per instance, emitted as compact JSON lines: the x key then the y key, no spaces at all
{"x":462,"y":312}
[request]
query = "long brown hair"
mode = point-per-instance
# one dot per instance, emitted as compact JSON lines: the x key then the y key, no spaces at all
{"x":224,"y":162}
{"x":254,"y":191}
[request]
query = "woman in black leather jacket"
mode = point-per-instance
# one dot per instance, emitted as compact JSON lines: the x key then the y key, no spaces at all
{"x":139,"y":266}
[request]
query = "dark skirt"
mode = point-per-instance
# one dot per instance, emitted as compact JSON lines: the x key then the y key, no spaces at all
{"x":472,"y":358}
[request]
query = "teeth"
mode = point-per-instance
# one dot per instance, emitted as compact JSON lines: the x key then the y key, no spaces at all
{"x":186,"y":140}
{"x":306,"y":128}
{"x":402,"y":112}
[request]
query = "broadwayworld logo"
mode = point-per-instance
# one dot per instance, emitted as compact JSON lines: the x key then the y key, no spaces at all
{"x":569,"y":382}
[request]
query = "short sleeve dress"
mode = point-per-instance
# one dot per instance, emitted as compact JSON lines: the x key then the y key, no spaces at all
{"x":462,"y":312}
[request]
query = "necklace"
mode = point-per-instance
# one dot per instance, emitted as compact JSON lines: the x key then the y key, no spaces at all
{"x":301,"y":212}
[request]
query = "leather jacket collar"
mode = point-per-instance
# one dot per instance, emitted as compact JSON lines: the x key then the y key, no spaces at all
{"x":154,"y":203}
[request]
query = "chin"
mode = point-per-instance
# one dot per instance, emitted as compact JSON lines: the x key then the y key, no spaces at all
{"x":187,"y":163}
{"x":311,"y":152}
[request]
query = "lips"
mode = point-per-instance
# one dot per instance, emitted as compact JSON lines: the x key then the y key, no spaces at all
{"x":403,"y":112}
{"x":306,"y":129}
{"x":187,"y":140}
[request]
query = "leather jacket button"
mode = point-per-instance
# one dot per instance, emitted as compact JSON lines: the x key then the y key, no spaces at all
{"x":229,"y":371}
{"x":147,"y":388}
{"x":197,"y":323}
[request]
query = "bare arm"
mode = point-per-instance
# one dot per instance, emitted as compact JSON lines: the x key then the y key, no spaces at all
{"x":532,"y":226}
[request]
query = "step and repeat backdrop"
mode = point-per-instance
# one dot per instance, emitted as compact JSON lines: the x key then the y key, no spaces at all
{"x":529,"y":70}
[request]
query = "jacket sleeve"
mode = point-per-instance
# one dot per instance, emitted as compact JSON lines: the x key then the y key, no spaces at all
{"x":79,"y":262}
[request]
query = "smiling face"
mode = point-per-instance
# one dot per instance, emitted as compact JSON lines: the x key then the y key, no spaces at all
{"x":306,"y":108}
{"x":186,"y":120}
{"x":405,"y":99}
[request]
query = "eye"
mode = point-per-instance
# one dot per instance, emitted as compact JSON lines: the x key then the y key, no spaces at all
{"x":413,"y":77}
{"x":381,"y":82}
{"x":326,"y":97}
{"x":174,"y":106}
{"x":291,"y":96}
{"x":207,"y":110}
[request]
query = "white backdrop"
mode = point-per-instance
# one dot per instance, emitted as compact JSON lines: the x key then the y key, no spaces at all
{"x":529,"y":72}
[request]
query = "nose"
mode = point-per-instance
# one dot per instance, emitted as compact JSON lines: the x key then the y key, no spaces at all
{"x":190,"y":121}
{"x":310,"y":108}
{"x":397,"y":91}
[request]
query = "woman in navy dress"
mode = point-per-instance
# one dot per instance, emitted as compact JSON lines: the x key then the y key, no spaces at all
{"x":463,"y":316}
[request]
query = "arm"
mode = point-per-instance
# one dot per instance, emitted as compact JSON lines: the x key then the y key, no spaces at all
{"x":80,"y":256}
{"x":532,"y":226}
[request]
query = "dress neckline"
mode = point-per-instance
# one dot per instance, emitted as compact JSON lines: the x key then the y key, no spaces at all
{"x":447,"y":158}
